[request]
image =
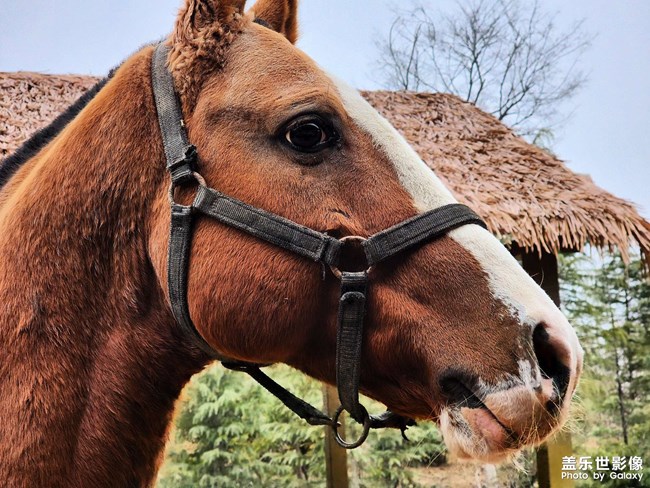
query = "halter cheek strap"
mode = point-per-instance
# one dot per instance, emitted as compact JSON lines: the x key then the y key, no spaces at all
{"x":181,"y":159}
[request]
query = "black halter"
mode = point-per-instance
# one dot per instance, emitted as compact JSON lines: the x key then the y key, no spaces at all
{"x":181,"y":163}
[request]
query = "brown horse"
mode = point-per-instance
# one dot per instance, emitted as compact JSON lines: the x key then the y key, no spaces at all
{"x":92,"y":358}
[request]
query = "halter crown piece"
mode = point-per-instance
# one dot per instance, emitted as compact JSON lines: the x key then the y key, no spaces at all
{"x":181,"y":159}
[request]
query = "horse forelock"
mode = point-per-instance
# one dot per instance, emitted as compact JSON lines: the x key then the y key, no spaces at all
{"x":199,"y":46}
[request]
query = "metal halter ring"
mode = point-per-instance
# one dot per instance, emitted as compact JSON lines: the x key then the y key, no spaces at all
{"x":343,"y":240}
{"x":172,"y":187}
{"x":364,"y":434}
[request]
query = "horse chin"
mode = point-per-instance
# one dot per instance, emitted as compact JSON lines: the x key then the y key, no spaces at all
{"x":475,"y":434}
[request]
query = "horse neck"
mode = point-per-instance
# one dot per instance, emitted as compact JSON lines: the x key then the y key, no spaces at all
{"x":91,"y":358}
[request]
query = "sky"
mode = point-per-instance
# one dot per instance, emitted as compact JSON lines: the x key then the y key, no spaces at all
{"x":607,"y":134}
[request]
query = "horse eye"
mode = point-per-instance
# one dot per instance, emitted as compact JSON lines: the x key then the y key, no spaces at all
{"x":310,"y":135}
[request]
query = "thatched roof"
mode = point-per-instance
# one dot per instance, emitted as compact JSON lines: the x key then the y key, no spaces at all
{"x":29,"y":101}
{"x":525,"y":194}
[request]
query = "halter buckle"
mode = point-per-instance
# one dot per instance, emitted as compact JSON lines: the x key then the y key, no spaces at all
{"x":349,"y":242}
{"x":359,"y":239}
{"x":181,"y":169}
{"x":364,"y":433}
{"x":198,"y":179}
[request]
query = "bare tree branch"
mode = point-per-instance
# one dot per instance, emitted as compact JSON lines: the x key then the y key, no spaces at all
{"x":506,"y":56}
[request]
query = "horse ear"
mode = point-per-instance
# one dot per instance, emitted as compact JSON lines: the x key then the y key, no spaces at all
{"x":203,"y":31}
{"x":198,"y":18}
{"x":197,"y":15}
{"x":279,"y":15}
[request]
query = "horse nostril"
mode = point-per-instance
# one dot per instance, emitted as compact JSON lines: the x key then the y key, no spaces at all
{"x":552,"y":358}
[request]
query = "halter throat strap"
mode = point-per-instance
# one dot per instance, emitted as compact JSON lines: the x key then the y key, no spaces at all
{"x":181,"y":161}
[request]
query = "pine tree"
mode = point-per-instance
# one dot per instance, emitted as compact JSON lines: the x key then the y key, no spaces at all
{"x":609,"y":304}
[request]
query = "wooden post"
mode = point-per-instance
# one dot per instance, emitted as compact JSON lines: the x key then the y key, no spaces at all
{"x":336,"y":459}
{"x":549,"y":456}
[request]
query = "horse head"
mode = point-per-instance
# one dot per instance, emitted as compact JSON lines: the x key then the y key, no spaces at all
{"x":455,"y":331}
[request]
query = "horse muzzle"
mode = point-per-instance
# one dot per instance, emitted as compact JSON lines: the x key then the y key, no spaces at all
{"x":490,"y":422}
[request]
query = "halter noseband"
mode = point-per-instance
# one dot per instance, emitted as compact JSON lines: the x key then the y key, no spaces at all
{"x":181,"y":159}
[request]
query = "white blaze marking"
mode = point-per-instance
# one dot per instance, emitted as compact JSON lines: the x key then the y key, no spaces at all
{"x":507,"y":279}
{"x":427,"y":190}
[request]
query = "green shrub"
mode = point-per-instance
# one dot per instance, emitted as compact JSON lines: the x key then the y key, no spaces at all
{"x":230,"y":432}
